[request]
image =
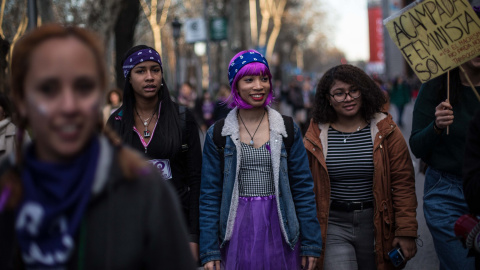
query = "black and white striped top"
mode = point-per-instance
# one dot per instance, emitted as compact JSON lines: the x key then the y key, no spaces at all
{"x":256,"y":175}
{"x":350,"y":164}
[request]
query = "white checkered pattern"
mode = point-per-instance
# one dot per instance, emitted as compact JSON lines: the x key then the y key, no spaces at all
{"x":256,"y":175}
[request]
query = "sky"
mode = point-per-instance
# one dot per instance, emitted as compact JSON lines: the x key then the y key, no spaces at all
{"x":350,"y":20}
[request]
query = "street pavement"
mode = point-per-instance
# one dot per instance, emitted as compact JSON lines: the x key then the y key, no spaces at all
{"x":426,"y":257}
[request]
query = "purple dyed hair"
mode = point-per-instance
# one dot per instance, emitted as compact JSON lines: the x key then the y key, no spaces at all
{"x":252,"y":69}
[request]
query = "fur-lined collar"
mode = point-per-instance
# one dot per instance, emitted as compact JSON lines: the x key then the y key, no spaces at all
{"x":374,"y":129}
{"x":275,"y":119}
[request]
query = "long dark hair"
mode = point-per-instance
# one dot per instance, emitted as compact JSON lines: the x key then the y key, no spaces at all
{"x":6,"y":104}
{"x":371,"y":95}
{"x":168,"y":122}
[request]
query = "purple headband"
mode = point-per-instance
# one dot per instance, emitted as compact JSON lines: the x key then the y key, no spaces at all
{"x":139,"y":57}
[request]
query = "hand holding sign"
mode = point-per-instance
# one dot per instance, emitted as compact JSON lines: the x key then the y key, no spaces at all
{"x":443,"y":115}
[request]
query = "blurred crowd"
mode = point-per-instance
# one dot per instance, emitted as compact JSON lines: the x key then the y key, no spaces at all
{"x":294,"y":99}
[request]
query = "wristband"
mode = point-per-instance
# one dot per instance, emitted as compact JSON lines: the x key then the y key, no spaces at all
{"x":437,"y":129}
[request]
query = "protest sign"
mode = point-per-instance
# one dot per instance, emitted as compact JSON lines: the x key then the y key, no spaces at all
{"x":435,"y":36}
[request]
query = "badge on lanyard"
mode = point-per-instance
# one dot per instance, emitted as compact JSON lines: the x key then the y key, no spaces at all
{"x":163,"y":165}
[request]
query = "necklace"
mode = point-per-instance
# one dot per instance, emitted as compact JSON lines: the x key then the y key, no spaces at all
{"x":251,"y":137}
{"x":146,"y":122}
{"x":345,"y":139}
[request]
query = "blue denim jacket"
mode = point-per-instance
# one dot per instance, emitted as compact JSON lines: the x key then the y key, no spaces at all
{"x":293,"y":190}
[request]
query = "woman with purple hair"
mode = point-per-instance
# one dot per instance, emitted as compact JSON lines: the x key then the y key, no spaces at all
{"x":257,"y":206}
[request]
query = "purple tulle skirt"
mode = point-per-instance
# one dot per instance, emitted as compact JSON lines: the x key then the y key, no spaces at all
{"x":257,"y":241}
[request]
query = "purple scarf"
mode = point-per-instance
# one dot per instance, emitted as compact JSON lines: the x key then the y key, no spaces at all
{"x":55,"y":198}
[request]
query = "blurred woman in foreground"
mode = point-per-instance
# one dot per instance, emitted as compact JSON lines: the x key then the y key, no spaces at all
{"x":72,"y":198}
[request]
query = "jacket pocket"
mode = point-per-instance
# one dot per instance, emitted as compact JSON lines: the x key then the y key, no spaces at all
{"x":387,"y":220}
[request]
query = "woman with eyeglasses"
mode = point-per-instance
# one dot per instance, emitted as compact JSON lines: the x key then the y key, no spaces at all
{"x":363,"y":175}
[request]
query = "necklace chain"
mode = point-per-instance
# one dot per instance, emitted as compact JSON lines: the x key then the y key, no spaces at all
{"x":343,"y":134}
{"x":146,"y":133}
{"x":251,"y":137}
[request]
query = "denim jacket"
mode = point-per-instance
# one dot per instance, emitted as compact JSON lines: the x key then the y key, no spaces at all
{"x":293,"y":190}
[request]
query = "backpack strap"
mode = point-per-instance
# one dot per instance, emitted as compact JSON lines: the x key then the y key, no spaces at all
{"x":288,"y":141}
{"x":182,"y":113}
{"x":220,"y":141}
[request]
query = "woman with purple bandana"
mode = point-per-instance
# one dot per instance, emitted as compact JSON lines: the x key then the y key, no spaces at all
{"x":257,"y":207}
{"x":164,"y":131}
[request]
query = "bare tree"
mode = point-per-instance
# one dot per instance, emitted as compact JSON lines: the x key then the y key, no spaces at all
{"x":155,"y":23}
{"x":124,"y":34}
{"x":15,"y":14}
{"x":270,"y":10}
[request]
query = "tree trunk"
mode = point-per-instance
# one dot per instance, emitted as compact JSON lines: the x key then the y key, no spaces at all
{"x":45,"y":10}
{"x":124,"y":35}
{"x":4,"y":50}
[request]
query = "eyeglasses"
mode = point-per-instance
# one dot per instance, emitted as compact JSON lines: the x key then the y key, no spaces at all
{"x":342,"y":96}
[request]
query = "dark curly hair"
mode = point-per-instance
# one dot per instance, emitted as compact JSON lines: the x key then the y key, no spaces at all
{"x":372,"y":96}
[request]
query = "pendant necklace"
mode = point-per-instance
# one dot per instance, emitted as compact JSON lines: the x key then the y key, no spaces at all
{"x":345,"y":139}
{"x":146,"y":122}
{"x":251,"y":137}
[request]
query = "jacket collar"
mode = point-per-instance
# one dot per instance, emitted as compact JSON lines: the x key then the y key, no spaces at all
{"x":380,"y":124}
{"x":275,"y":119}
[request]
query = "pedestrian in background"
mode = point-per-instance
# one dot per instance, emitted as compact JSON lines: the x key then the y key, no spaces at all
{"x":257,"y":206}
{"x":8,"y":130}
{"x":165,"y":132}
{"x":221,"y":109}
{"x":443,"y":199}
{"x":187,"y":95}
{"x":114,"y":101}
{"x":75,"y":199}
{"x":204,"y":109}
{"x":363,"y":174}
{"x":400,"y":96}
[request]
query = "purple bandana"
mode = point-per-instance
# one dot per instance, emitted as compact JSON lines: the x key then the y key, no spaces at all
{"x":241,"y":61}
{"x":138,"y":57}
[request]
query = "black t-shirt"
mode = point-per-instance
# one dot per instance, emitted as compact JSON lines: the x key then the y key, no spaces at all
{"x":185,"y":166}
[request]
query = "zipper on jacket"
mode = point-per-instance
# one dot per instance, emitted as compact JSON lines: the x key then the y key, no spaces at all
{"x":375,"y":208}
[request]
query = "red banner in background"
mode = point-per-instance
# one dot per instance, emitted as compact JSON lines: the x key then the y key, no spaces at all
{"x":375,"y":25}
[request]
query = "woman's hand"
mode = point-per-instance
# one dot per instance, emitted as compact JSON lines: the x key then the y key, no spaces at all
{"x":212,"y":265}
{"x":312,"y":261}
{"x":407,"y":245}
{"x":443,"y":115}
{"x":194,"y":249}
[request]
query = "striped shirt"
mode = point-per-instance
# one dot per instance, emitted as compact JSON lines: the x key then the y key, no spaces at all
{"x":350,"y":164}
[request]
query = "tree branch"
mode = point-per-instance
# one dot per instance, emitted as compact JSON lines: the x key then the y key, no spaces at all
{"x":253,"y":21}
{"x":165,"y":9}
{"x":1,"y":19}
{"x":146,"y":10}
